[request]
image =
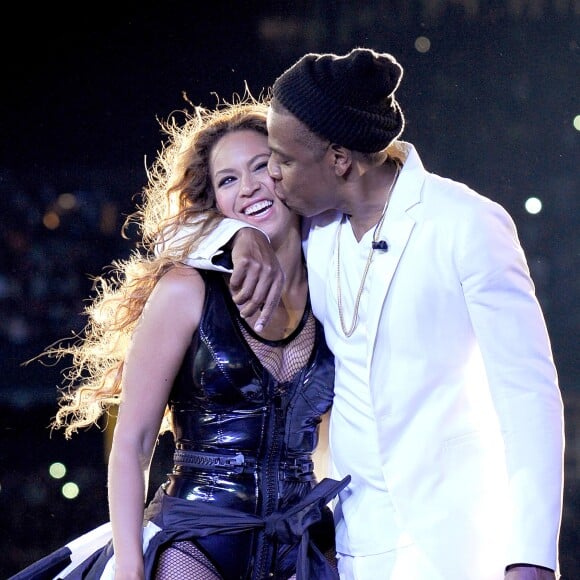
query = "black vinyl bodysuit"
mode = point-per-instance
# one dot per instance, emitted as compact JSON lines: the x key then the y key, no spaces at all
{"x":244,"y":438}
{"x":242,"y":501}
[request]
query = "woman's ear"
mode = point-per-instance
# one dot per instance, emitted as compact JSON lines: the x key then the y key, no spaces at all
{"x":341,"y":158}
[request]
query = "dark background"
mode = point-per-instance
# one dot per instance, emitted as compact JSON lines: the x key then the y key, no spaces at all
{"x":491,"y":103}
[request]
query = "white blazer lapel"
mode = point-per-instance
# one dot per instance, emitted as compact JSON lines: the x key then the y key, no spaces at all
{"x":396,"y":230}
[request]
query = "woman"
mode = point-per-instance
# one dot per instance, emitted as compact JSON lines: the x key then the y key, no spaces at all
{"x":166,"y":343}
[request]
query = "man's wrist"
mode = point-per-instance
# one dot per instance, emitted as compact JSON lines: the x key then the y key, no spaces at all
{"x":244,"y":231}
{"x":512,"y":566}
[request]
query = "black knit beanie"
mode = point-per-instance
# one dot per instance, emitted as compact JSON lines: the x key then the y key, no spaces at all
{"x":347,"y":99}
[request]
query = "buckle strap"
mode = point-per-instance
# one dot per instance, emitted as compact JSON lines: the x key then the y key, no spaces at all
{"x":297,"y":467}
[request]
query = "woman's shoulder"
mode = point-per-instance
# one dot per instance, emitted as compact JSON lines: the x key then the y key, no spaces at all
{"x":180,"y":282}
{"x":177,"y":299}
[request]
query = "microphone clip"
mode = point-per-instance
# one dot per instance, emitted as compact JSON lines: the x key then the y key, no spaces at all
{"x":380,"y":245}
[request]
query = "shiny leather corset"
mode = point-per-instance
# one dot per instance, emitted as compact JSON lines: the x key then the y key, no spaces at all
{"x":244,"y":440}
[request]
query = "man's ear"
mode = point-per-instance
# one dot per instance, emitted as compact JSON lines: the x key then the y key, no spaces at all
{"x":341,"y":158}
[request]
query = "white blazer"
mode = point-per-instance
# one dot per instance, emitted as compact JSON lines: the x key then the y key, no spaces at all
{"x":462,"y":378}
{"x":461,"y":372}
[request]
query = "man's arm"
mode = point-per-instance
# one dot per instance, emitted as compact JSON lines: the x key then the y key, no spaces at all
{"x":257,"y":278}
{"x":523,"y":382}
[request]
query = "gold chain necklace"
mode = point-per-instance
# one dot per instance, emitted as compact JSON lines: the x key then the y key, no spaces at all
{"x":348,"y":332}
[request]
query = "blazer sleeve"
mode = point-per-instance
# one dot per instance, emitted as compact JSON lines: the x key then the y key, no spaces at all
{"x":210,"y":253}
{"x":514,"y":342}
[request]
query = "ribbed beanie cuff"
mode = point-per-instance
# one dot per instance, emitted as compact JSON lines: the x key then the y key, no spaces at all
{"x":347,"y":99}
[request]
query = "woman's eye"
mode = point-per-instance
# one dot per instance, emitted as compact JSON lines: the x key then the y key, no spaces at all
{"x":261,"y":165}
{"x":225,"y":180}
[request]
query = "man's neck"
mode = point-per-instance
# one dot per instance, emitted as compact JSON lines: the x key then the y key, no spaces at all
{"x":369,"y":197}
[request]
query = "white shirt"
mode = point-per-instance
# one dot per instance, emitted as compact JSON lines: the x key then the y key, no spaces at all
{"x":365,"y":517}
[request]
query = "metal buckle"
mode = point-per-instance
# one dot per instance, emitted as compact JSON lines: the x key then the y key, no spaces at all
{"x":298,"y":467}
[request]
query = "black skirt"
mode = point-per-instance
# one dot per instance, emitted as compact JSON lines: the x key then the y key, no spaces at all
{"x":170,"y":519}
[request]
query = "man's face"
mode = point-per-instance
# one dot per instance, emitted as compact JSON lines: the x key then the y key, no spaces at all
{"x":300,"y":165}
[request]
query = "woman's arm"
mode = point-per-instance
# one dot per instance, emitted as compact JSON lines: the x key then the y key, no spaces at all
{"x":321,"y":455}
{"x":159,"y":342}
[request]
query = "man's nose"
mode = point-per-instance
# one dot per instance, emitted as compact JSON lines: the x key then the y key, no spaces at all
{"x":274,"y":169}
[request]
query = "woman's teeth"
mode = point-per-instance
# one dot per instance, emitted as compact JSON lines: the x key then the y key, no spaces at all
{"x":258,"y":207}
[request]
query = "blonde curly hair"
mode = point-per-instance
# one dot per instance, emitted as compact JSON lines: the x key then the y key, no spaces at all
{"x":178,"y":197}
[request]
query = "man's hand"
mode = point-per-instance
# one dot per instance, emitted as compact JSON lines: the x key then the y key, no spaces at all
{"x":257,"y":279}
{"x":528,"y":572}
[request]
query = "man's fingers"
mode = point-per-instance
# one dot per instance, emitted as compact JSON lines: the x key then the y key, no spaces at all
{"x":243,"y":294}
{"x":249,"y":307}
{"x":247,"y":293}
{"x":257,"y":279}
{"x":268,"y":307}
{"x":259,"y":294}
{"x":244,"y":278}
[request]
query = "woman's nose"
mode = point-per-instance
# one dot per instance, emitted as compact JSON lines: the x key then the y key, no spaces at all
{"x":249,"y":185}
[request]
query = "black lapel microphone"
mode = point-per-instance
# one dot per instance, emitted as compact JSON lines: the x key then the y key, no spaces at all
{"x":380,"y":245}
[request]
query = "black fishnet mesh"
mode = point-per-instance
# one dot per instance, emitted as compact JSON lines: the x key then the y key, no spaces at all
{"x":185,"y":560}
{"x":284,"y":361}
{"x":330,"y":555}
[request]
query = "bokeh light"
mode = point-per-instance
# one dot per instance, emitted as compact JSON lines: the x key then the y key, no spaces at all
{"x":67,"y":200}
{"x":422,"y":44}
{"x":51,"y":220}
{"x":70,"y":490}
{"x":57,"y":470}
{"x":533,"y":205}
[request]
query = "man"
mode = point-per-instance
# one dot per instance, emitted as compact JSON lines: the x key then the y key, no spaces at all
{"x":447,"y":411}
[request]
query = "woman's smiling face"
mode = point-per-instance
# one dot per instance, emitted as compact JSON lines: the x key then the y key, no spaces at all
{"x":238,"y":167}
